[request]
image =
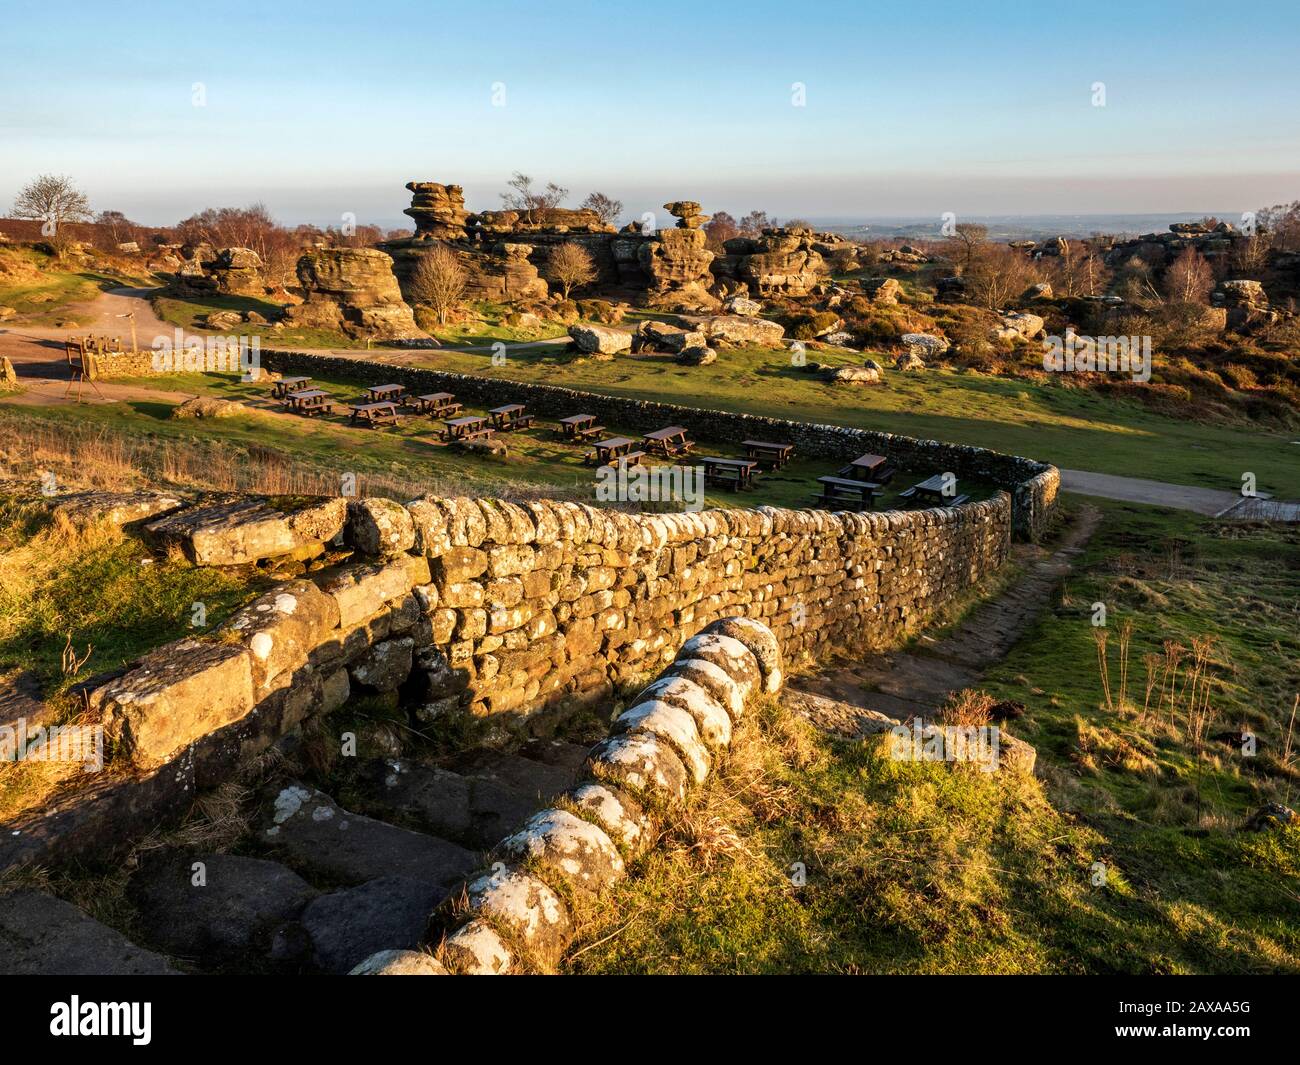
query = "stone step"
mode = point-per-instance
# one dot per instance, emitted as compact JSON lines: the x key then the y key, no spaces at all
{"x":312,"y":833}
{"x":215,"y":907}
{"x":43,"y":935}
{"x":476,"y":812}
{"x":344,"y":928}
{"x":536,"y":779}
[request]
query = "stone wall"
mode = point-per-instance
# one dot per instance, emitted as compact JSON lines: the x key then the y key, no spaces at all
{"x":1033,"y":485}
{"x":519,"y":613}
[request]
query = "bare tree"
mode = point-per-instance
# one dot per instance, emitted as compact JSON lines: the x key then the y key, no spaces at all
{"x":1189,"y":278}
{"x":54,"y":200}
{"x":967,"y":239}
{"x":755,"y":222}
{"x":1282,"y":223}
{"x":439,"y":281}
{"x":1250,"y":254}
{"x":524,"y":198}
{"x":606,"y":208}
{"x":570,"y":265}
{"x":720,"y":228}
{"x":998,"y":274}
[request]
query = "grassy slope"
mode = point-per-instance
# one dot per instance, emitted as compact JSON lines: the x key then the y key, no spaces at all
{"x":1074,"y":428}
{"x":40,"y":289}
{"x":918,"y":868}
{"x":408,"y":452}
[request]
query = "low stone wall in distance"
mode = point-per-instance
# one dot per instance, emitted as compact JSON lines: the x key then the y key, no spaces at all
{"x":1033,"y":485}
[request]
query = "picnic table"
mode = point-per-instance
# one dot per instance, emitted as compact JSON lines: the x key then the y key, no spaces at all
{"x":511,"y":416}
{"x":289,"y":384}
{"x":373,"y":414}
{"x":931,"y":490}
{"x":847,"y":492}
{"x":613,"y":448}
{"x":735,"y":473}
{"x":668,"y":442}
{"x":309,"y":401}
{"x":869,"y":468}
{"x":435,"y":403}
{"x":392,"y":393}
{"x":773,"y":455}
{"x":580,"y":427}
{"x":470,"y":427}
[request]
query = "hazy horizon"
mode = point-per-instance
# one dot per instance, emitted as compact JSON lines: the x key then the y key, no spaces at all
{"x":838,"y":111}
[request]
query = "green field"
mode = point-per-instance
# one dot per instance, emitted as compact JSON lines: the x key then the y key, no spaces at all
{"x":1074,"y":428}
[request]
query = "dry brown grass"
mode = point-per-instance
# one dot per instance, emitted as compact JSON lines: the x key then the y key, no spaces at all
{"x":968,"y":708}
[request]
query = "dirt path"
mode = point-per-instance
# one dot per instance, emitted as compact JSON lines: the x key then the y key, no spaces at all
{"x":917,"y":681}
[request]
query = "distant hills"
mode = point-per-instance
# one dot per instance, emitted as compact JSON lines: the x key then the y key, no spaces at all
{"x":1019,"y":227}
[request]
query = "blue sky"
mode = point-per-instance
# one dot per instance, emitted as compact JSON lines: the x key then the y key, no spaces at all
{"x":322,"y":108}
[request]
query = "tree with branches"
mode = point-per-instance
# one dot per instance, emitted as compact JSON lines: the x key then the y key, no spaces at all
{"x":607,"y":208}
{"x":439,"y":281}
{"x":997,"y":274}
{"x":53,"y":200}
{"x":570,"y":266}
{"x":1189,"y":278}
{"x":522,"y":197}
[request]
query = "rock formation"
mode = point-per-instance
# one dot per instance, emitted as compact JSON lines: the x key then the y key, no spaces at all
{"x":353,"y":290}
{"x":238,"y":272}
{"x":438,"y":210}
{"x":781,"y":262}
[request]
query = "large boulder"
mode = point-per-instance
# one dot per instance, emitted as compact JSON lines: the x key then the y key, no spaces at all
{"x":247,"y":530}
{"x":45,"y":936}
{"x":881,"y":290}
{"x":1021,"y":326}
{"x":924,"y":345}
{"x":353,"y":290}
{"x":741,"y":329}
{"x":852,"y":375}
{"x":600,"y":340}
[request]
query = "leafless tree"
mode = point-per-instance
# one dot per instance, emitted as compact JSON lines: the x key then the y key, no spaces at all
{"x":569,"y":266}
{"x":606,"y":208}
{"x":439,"y":281}
{"x":998,"y":274}
{"x":721,"y":227}
{"x":755,"y":222}
{"x":54,"y":200}
{"x":524,"y":198}
{"x":1189,"y":278}
{"x":1250,"y":254}
{"x":1282,"y":223}
{"x":966,"y":241}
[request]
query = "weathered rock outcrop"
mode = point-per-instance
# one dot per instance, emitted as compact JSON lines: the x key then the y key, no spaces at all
{"x":780,"y":262}
{"x":438,"y":210}
{"x":355,"y":291}
{"x":238,"y":272}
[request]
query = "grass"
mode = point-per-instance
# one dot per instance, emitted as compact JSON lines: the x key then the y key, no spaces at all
{"x":1074,"y":428}
{"x":103,"y":597}
{"x":41,"y":288}
{"x":98,"y":588}
{"x":405,"y":459}
{"x":812,"y":854}
{"x":188,"y":313}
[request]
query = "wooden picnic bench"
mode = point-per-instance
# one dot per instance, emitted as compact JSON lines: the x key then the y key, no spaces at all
{"x":309,"y":402}
{"x":847,"y":492}
{"x":612,"y":448}
{"x":510,"y":417}
{"x":382,"y":393}
{"x":769,"y":454}
{"x":668,"y":442}
{"x":286,"y":385}
{"x":869,"y":468}
{"x":931,"y":490}
{"x":580,"y":427}
{"x":734,"y":473}
{"x":439,"y":404}
{"x":373,"y":414}
{"x":470,"y":427}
